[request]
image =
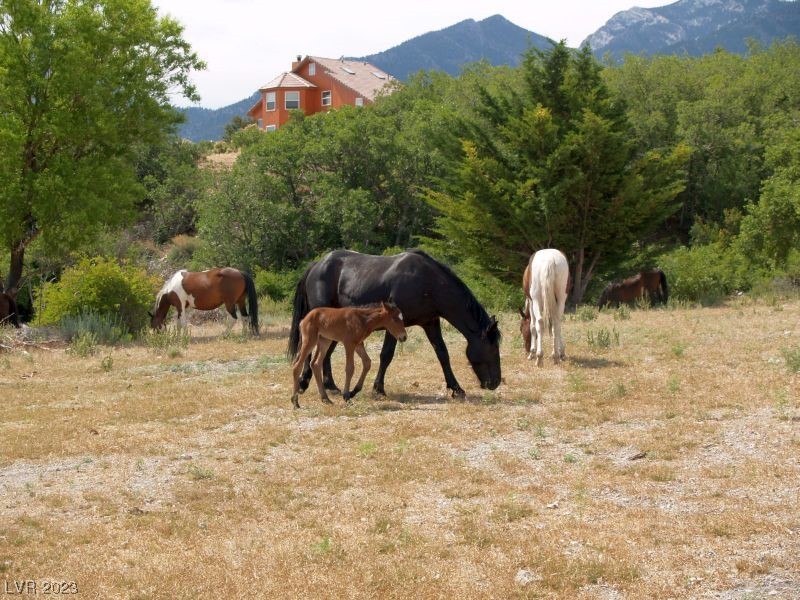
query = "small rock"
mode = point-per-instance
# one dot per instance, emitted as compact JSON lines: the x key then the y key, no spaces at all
{"x":135,"y":511}
{"x":553,"y":504}
{"x":637,"y":456}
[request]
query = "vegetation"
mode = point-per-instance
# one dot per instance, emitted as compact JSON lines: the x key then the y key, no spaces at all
{"x":82,"y":84}
{"x":100,"y":286}
{"x":690,"y":164}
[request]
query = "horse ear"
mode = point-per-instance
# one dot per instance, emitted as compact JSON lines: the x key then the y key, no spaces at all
{"x":149,"y":314}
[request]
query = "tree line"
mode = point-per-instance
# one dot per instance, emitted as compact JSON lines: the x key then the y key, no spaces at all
{"x":689,"y":162}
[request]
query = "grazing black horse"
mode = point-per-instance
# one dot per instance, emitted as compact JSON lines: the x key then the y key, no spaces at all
{"x":425,"y":291}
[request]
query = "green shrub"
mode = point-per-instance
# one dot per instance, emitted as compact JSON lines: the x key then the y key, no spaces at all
{"x":495,"y":295}
{"x":103,"y":287}
{"x":707,"y":273}
{"x":277,"y":285}
{"x":106,"y":328}
{"x":84,"y":345}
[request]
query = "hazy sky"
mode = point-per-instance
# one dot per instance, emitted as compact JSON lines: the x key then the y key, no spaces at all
{"x":245,"y":43}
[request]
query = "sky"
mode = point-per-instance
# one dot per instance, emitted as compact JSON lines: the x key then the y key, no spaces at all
{"x":246,"y":43}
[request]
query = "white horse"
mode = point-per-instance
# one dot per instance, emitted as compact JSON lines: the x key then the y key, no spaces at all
{"x":545,"y":285}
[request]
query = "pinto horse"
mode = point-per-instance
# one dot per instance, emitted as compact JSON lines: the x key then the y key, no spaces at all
{"x":8,"y":310}
{"x":207,"y":290}
{"x":651,"y":283}
{"x":350,"y":326}
{"x":544,"y":283}
{"x":425,"y":290}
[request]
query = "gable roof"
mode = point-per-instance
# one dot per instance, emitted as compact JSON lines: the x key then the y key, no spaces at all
{"x":287,"y":80}
{"x":362,"y":77}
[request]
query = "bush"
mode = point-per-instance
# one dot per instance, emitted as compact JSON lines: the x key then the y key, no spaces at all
{"x":102,"y":287}
{"x":105,"y":328}
{"x":706,"y":273}
{"x":495,"y":295}
{"x":277,"y":285}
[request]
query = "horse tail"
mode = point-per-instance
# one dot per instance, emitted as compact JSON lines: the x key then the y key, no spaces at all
{"x":547,"y":284}
{"x":252,"y":302}
{"x":300,"y":309}
{"x":664,"y":288}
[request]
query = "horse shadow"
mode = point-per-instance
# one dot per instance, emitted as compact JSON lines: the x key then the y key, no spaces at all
{"x":594,"y":362}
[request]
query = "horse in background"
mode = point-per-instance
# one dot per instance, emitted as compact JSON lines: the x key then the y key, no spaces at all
{"x":350,"y":326}
{"x":8,"y":310}
{"x":650,"y":284}
{"x":544,"y":283}
{"x":207,"y":290}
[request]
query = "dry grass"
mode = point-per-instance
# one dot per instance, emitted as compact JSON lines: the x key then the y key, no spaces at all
{"x":665,"y":466}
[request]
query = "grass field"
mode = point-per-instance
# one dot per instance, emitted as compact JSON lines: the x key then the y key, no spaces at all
{"x":662,"y":459}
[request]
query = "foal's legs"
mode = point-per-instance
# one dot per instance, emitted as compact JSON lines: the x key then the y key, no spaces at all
{"x":349,"y":369}
{"x":298,"y":364}
{"x":316,"y":366}
{"x":366,"y":363}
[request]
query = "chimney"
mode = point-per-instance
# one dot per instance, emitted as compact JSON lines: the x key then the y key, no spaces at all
{"x":297,"y":62}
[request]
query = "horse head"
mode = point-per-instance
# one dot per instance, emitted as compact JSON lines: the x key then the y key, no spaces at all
{"x":483,"y":353}
{"x":525,"y":329}
{"x":394,"y":321}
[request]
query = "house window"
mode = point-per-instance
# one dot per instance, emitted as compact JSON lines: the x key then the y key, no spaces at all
{"x":312,"y":69}
{"x":292,"y":100}
{"x":359,"y":102}
{"x":326,"y":98}
{"x":270,"y":100}
{"x":271,"y":127}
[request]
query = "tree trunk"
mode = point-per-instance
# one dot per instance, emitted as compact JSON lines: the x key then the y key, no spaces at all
{"x":15,"y":270}
{"x":577,"y":280}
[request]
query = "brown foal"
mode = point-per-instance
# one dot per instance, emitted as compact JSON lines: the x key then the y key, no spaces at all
{"x":350,"y":326}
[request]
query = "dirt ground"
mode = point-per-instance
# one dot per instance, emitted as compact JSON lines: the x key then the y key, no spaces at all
{"x":661,"y":460}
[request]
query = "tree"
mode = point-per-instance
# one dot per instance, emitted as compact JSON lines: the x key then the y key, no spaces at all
{"x":552,"y":164}
{"x":81,"y":83}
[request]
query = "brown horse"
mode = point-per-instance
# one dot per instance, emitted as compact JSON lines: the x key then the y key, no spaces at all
{"x":350,"y":326}
{"x":8,"y":310}
{"x":207,"y":290}
{"x":650,"y":284}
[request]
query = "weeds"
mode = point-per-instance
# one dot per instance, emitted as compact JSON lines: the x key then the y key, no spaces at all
{"x":586,"y":313}
{"x":792,"y":358}
{"x":85,"y":344}
{"x":602,"y":339}
{"x":170,"y":341}
{"x":622,"y":313}
{"x":105,"y":328}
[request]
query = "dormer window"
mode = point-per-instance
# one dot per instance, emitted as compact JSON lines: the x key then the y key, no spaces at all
{"x":312,"y":69}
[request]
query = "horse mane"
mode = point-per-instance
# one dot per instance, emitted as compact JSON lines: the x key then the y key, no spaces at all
{"x":474,"y":307}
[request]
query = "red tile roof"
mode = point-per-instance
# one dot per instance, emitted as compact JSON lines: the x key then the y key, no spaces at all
{"x":361,"y":77}
{"x":287,"y":80}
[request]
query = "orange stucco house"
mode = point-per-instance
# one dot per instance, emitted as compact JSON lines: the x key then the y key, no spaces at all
{"x":315,"y":84}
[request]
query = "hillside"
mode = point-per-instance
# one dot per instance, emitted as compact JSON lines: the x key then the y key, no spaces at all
{"x":209,"y":124}
{"x":495,"y":39}
{"x":696,"y":27}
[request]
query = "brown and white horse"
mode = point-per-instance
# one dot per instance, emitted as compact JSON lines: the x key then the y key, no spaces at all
{"x":545,"y":284}
{"x":207,"y":290}
{"x":650,"y":284}
{"x":350,"y":326}
{"x":8,"y":310}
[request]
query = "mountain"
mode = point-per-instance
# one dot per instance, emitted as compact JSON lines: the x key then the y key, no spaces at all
{"x":495,"y":39}
{"x":209,"y":124}
{"x":696,"y":27}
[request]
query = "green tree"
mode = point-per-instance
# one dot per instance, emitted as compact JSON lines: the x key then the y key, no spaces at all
{"x":552,"y":163}
{"x":81,"y":83}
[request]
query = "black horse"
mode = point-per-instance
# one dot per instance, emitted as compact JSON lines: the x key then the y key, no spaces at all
{"x":425,"y":291}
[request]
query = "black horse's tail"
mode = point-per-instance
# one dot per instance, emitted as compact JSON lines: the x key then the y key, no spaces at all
{"x":300,"y":309}
{"x":664,"y":288}
{"x":252,"y":302}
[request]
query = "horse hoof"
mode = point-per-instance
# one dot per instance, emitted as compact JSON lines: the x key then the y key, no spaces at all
{"x":378,"y":392}
{"x":539,"y":361}
{"x":326,"y":400}
{"x":295,"y":403}
{"x":530,"y":355}
{"x":333,"y":389}
{"x":346,"y":397}
{"x":459,"y":393}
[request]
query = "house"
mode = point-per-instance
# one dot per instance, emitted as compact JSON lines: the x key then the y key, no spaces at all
{"x":317,"y":84}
